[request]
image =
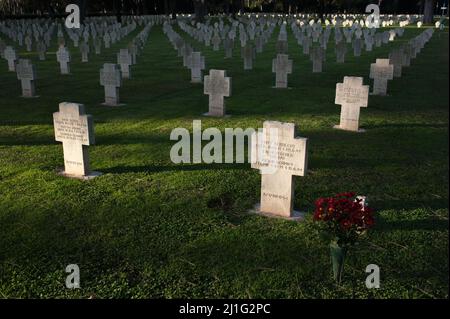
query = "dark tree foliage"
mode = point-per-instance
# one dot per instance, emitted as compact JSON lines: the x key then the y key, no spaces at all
{"x":203,"y":7}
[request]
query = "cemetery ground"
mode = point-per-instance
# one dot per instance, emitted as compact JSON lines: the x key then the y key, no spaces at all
{"x":149,"y":228}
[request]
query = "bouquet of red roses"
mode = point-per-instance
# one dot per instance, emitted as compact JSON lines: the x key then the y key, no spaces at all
{"x":344,"y":218}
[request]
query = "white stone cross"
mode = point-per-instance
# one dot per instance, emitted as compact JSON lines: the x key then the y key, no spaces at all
{"x":357,"y":44}
{"x":41,"y":48}
{"x":2,"y":48}
{"x":84,"y":49}
{"x":351,"y":95}
{"x":279,"y":155}
{"x":11,"y":57}
{"x":217,"y":86}
{"x":228,"y":45}
{"x":63,"y":57}
{"x":26,"y":73}
{"x":196,"y":63}
{"x":341,"y":50}
{"x":282,"y":66}
{"x":282,"y":47}
{"x":107,"y":40}
{"x":248,"y":53}
{"x":381,"y":72}
{"x":75,"y":130}
{"x":111,"y":79}
{"x":216,"y":42}
{"x":186,"y":51}
{"x":396,"y":57}
{"x":124,"y":59}
{"x":317,"y":57}
{"x":28,"y":43}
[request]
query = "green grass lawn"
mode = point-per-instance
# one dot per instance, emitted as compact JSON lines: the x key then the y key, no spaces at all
{"x":150,"y":228}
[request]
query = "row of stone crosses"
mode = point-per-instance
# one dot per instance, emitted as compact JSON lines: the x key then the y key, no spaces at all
{"x":259,"y":30}
{"x":76,"y":131}
{"x":26,"y":71}
{"x":307,"y":36}
{"x":217,"y":85}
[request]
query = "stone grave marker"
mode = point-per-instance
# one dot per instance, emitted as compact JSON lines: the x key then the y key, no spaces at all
{"x":306,"y":44}
{"x":357,"y":44}
{"x":341,"y":50}
{"x":107,"y":40}
{"x":381,"y":72}
{"x":282,"y":47}
{"x":11,"y":57}
{"x":26,"y":73}
{"x":124,"y":59}
{"x":186,"y":51}
{"x":216,"y":42}
{"x":396,"y":58}
{"x":111,"y":80}
{"x":259,"y":44}
{"x":28,"y":43}
{"x":228,"y":46}
{"x":317,"y":57}
{"x":248,"y":54}
{"x":281,"y":66}
{"x":63,"y":57}
{"x":351,"y":95}
{"x":2,"y":48}
{"x":41,"y":48}
{"x":217,"y":86}
{"x":84,"y":49}
{"x":196,"y":63}
{"x":279,"y":155}
{"x":75,"y":130}
{"x":98,"y":46}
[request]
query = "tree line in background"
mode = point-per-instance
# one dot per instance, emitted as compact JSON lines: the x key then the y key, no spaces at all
{"x":201,"y":8}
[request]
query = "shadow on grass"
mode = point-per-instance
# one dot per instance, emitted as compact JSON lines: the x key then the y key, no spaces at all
{"x":419,"y":224}
{"x":170,"y":168}
{"x":403,"y":126}
{"x":408,"y":204}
